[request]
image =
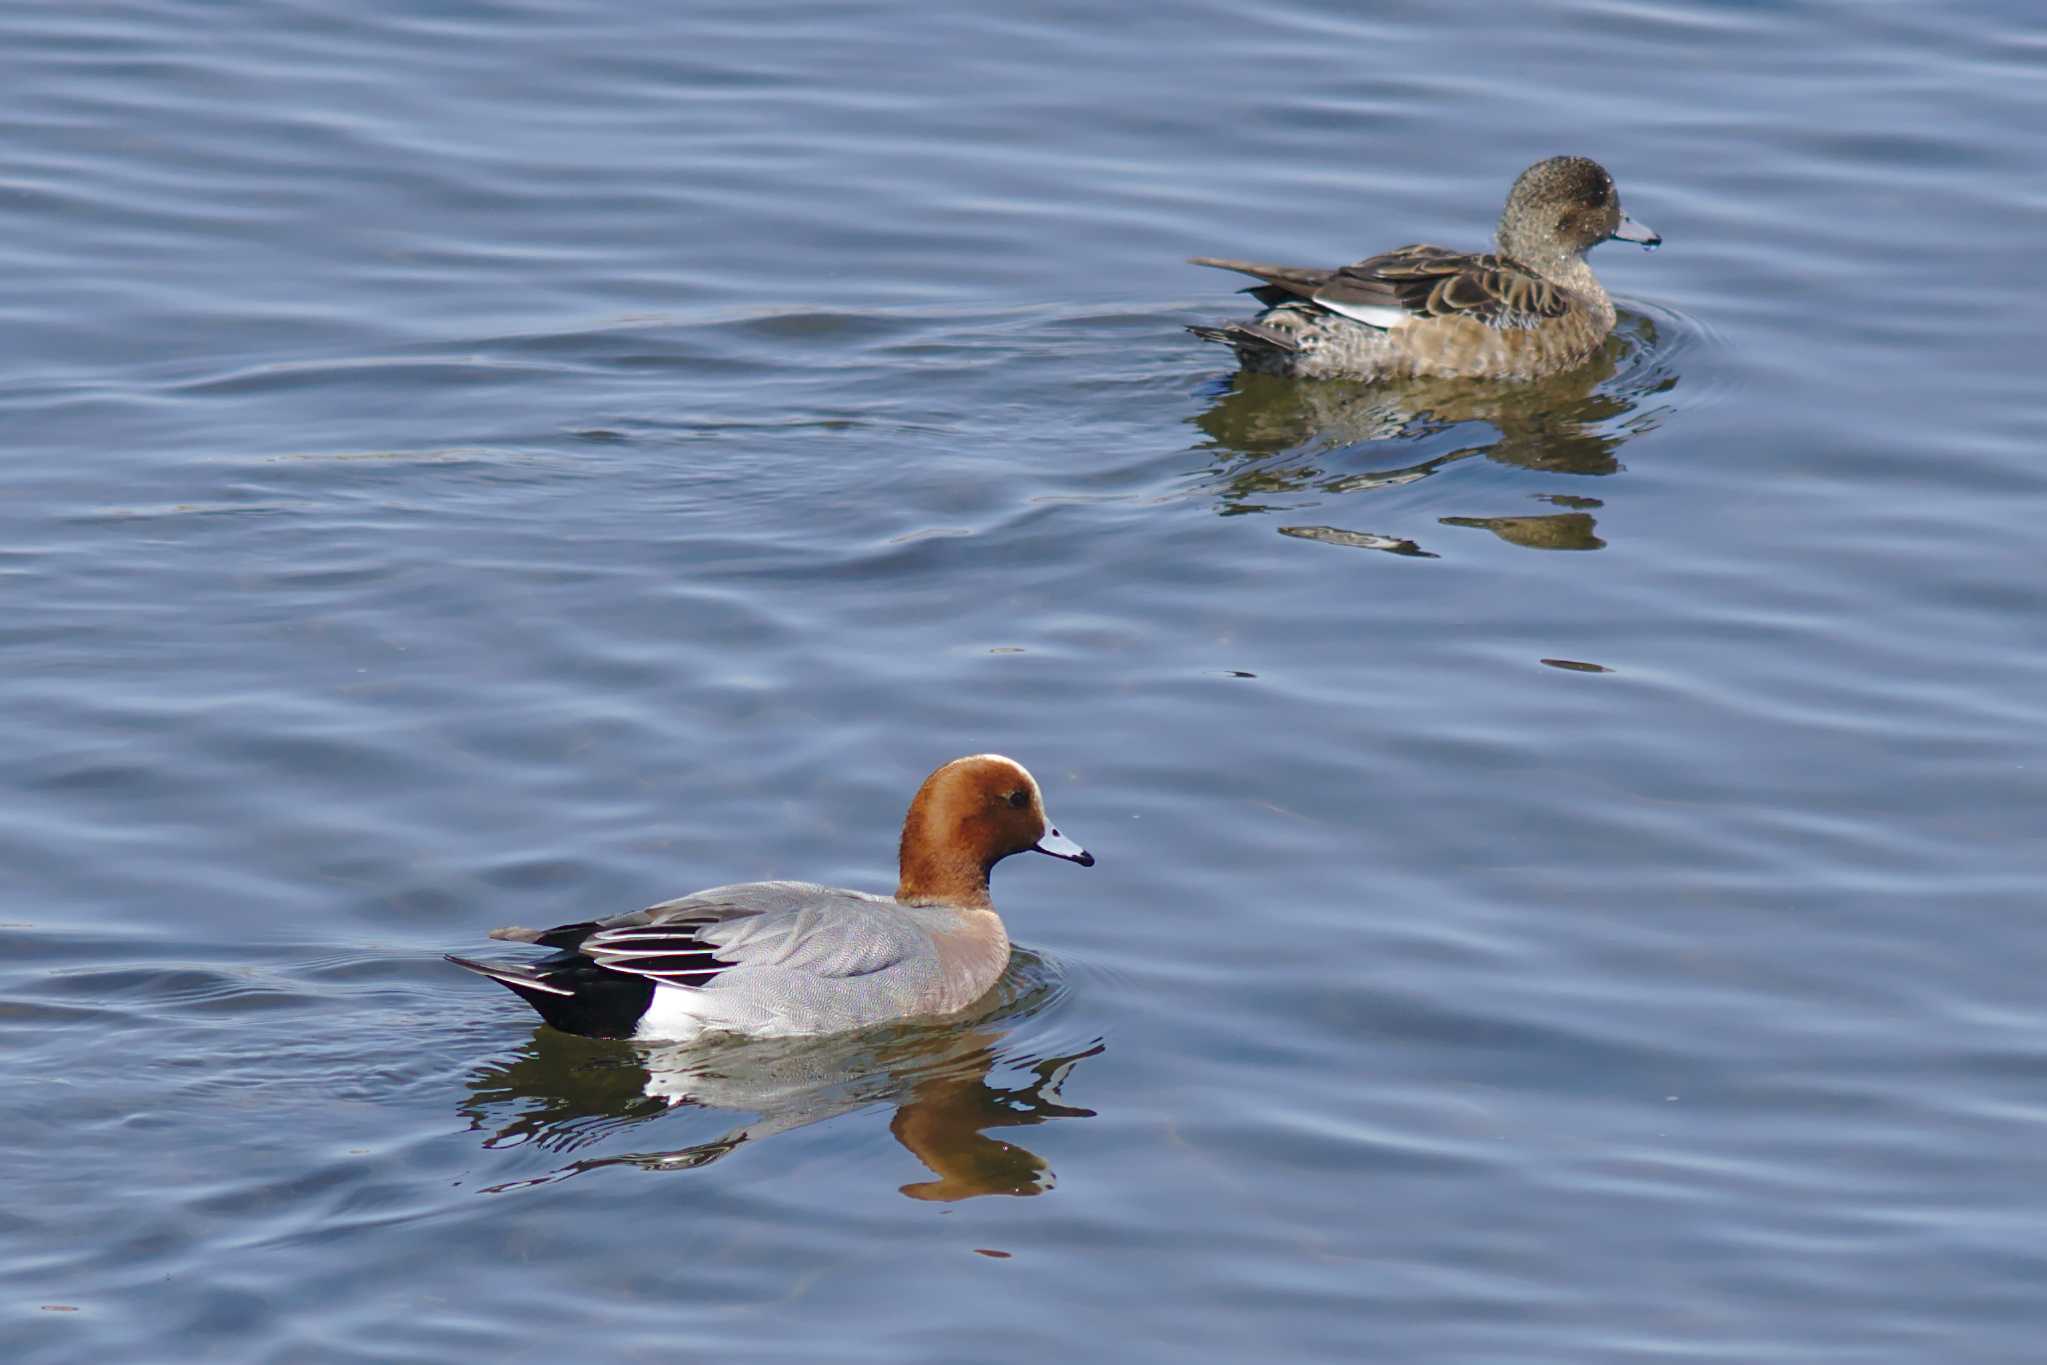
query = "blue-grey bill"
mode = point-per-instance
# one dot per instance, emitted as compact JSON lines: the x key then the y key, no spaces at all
{"x":1059,"y":846}
{"x":1632,"y":231}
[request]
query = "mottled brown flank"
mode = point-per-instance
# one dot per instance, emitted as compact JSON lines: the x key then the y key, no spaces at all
{"x":1532,"y":308}
{"x":961,"y":824}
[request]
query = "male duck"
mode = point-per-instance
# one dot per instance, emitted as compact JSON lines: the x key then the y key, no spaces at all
{"x":1531,"y":309}
{"x":786,"y":958}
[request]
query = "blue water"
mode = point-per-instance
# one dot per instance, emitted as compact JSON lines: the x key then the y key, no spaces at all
{"x":1569,"y":854}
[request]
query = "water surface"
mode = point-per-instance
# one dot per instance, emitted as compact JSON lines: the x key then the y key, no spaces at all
{"x":1568,"y":852}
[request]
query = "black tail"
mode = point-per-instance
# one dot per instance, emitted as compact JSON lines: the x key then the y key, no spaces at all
{"x":572,"y":993}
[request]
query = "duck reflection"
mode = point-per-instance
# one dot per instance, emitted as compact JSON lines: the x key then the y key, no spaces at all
{"x":1557,"y":531}
{"x":570,"y":1095}
{"x":1275,"y":440}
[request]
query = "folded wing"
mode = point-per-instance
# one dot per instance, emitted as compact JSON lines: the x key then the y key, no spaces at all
{"x":1411,"y":283}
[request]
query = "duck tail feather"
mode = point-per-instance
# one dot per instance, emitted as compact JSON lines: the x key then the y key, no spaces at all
{"x":512,"y":975}
{"x":1243,"y":335}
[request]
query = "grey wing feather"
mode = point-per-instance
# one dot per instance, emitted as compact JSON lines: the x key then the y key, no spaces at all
{"x":793,"y":926}
{"x":701,"y":906}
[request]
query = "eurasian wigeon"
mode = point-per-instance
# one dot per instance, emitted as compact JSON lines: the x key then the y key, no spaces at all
{"x":1532,"y":308}
{"x":788,"y":958}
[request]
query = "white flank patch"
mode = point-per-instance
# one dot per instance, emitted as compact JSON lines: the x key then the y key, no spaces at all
{"x":676,"y":1013}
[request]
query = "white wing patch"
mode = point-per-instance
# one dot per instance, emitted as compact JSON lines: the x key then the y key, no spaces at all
{"x":1384,"y":318}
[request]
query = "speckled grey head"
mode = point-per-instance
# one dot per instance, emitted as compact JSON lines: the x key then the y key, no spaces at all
{"x":1564,"y":207}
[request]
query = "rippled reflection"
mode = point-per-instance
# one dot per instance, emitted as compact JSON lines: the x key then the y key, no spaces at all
{"x":1558,"y":531}
{"x":1278,"y":441}
{"x":571,"y":1095}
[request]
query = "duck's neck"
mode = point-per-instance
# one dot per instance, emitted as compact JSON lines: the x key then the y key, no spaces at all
{"x":929,"y":877}
{"x":973,"y":949}
{"x":1574,"y":273}
{"x":1567,"y":268}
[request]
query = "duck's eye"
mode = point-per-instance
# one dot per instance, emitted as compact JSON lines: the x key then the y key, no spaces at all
{"x":1019,"y":799}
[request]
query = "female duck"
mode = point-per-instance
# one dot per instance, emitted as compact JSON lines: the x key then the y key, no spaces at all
{"x":1532,"y":308}
{"x":784,"y":958}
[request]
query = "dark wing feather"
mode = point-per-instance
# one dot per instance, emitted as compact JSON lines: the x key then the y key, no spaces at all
{"x":671,"y":953}
{"x":1432,"y":282}
{"x":658,"y":943}
{"x":1419,"y":281}
{"x":1282,"y":282}
{"x":1247,"y":334}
